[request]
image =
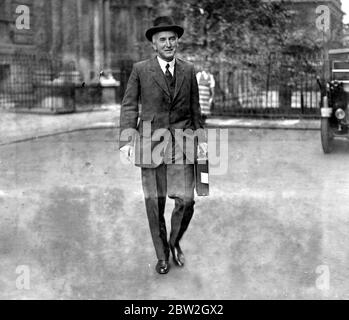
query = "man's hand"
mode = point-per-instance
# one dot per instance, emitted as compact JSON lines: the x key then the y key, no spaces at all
{"x":202,"y":150}
{"x":128,"y":151}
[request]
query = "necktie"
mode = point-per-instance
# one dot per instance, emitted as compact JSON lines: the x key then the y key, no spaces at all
{"x":168,"y":73}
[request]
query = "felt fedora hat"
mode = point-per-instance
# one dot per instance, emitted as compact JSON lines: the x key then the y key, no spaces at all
{"x":164,"y":23}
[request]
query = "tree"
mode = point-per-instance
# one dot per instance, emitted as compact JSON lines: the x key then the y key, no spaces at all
{"x":249,"y":35}
{"x":230,"y":27}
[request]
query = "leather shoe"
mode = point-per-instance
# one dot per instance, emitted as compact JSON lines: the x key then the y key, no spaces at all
{"x":162,"y":267}
{"x":178,"y":256}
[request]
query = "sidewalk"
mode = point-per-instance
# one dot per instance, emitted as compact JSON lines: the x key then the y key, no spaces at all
{"x":295,"y":124}
{"x":15,"y":127}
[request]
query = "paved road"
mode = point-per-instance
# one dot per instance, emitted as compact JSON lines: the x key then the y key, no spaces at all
{"x":74,"y":215}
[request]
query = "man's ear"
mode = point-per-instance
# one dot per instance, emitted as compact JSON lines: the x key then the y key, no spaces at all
{"x":153,"y":42}
{"x":154,"y":46}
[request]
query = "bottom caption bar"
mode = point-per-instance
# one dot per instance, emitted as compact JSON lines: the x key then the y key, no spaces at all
{"x":157,"y":309}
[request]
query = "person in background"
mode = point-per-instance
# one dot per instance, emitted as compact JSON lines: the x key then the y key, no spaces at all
{"x":206,"y":84}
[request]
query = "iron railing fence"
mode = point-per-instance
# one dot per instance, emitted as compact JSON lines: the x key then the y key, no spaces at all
{"x":37,"y":82}
{"x":275,"y":85}
{"x":42,"y":83}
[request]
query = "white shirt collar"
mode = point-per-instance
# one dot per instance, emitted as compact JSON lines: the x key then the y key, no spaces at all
{"x":163,"y":64}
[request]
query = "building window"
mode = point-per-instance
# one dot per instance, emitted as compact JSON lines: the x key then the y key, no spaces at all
{"x":5,"y":10}
{"x":4,"y":75}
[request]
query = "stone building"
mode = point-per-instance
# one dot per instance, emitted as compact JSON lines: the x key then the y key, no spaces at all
{"x":92,"y":35}
{"x":346,"y":36}
{"x":76,"y":38}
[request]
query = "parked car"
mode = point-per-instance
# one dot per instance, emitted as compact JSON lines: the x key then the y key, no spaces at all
{"x":335,"y":100}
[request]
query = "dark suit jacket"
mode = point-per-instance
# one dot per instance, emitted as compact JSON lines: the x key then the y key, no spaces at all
{"x":147,"y":86}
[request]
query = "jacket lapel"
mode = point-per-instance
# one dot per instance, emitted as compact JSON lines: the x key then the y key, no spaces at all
{"x":158,"y":76}
{"x":179,"y":77}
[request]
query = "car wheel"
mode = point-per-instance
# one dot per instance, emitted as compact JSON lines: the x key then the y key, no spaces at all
{"x":326,"y":136}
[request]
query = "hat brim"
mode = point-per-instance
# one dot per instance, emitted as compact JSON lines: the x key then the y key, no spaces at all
{"x":177,"y":29}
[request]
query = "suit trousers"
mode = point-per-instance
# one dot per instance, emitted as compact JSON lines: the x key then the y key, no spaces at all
{"x":177,"y":182}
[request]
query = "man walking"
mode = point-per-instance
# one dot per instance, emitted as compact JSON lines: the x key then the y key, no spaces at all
{"x":166,"y":87}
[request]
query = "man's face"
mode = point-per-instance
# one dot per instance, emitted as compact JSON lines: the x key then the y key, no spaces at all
{"x":165,"y":43}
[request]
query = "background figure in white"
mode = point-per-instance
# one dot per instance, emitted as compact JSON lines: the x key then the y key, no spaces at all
{"x":206,"y":84}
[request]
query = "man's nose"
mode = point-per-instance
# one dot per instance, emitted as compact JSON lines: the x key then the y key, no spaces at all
{"x":168,"y":44}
